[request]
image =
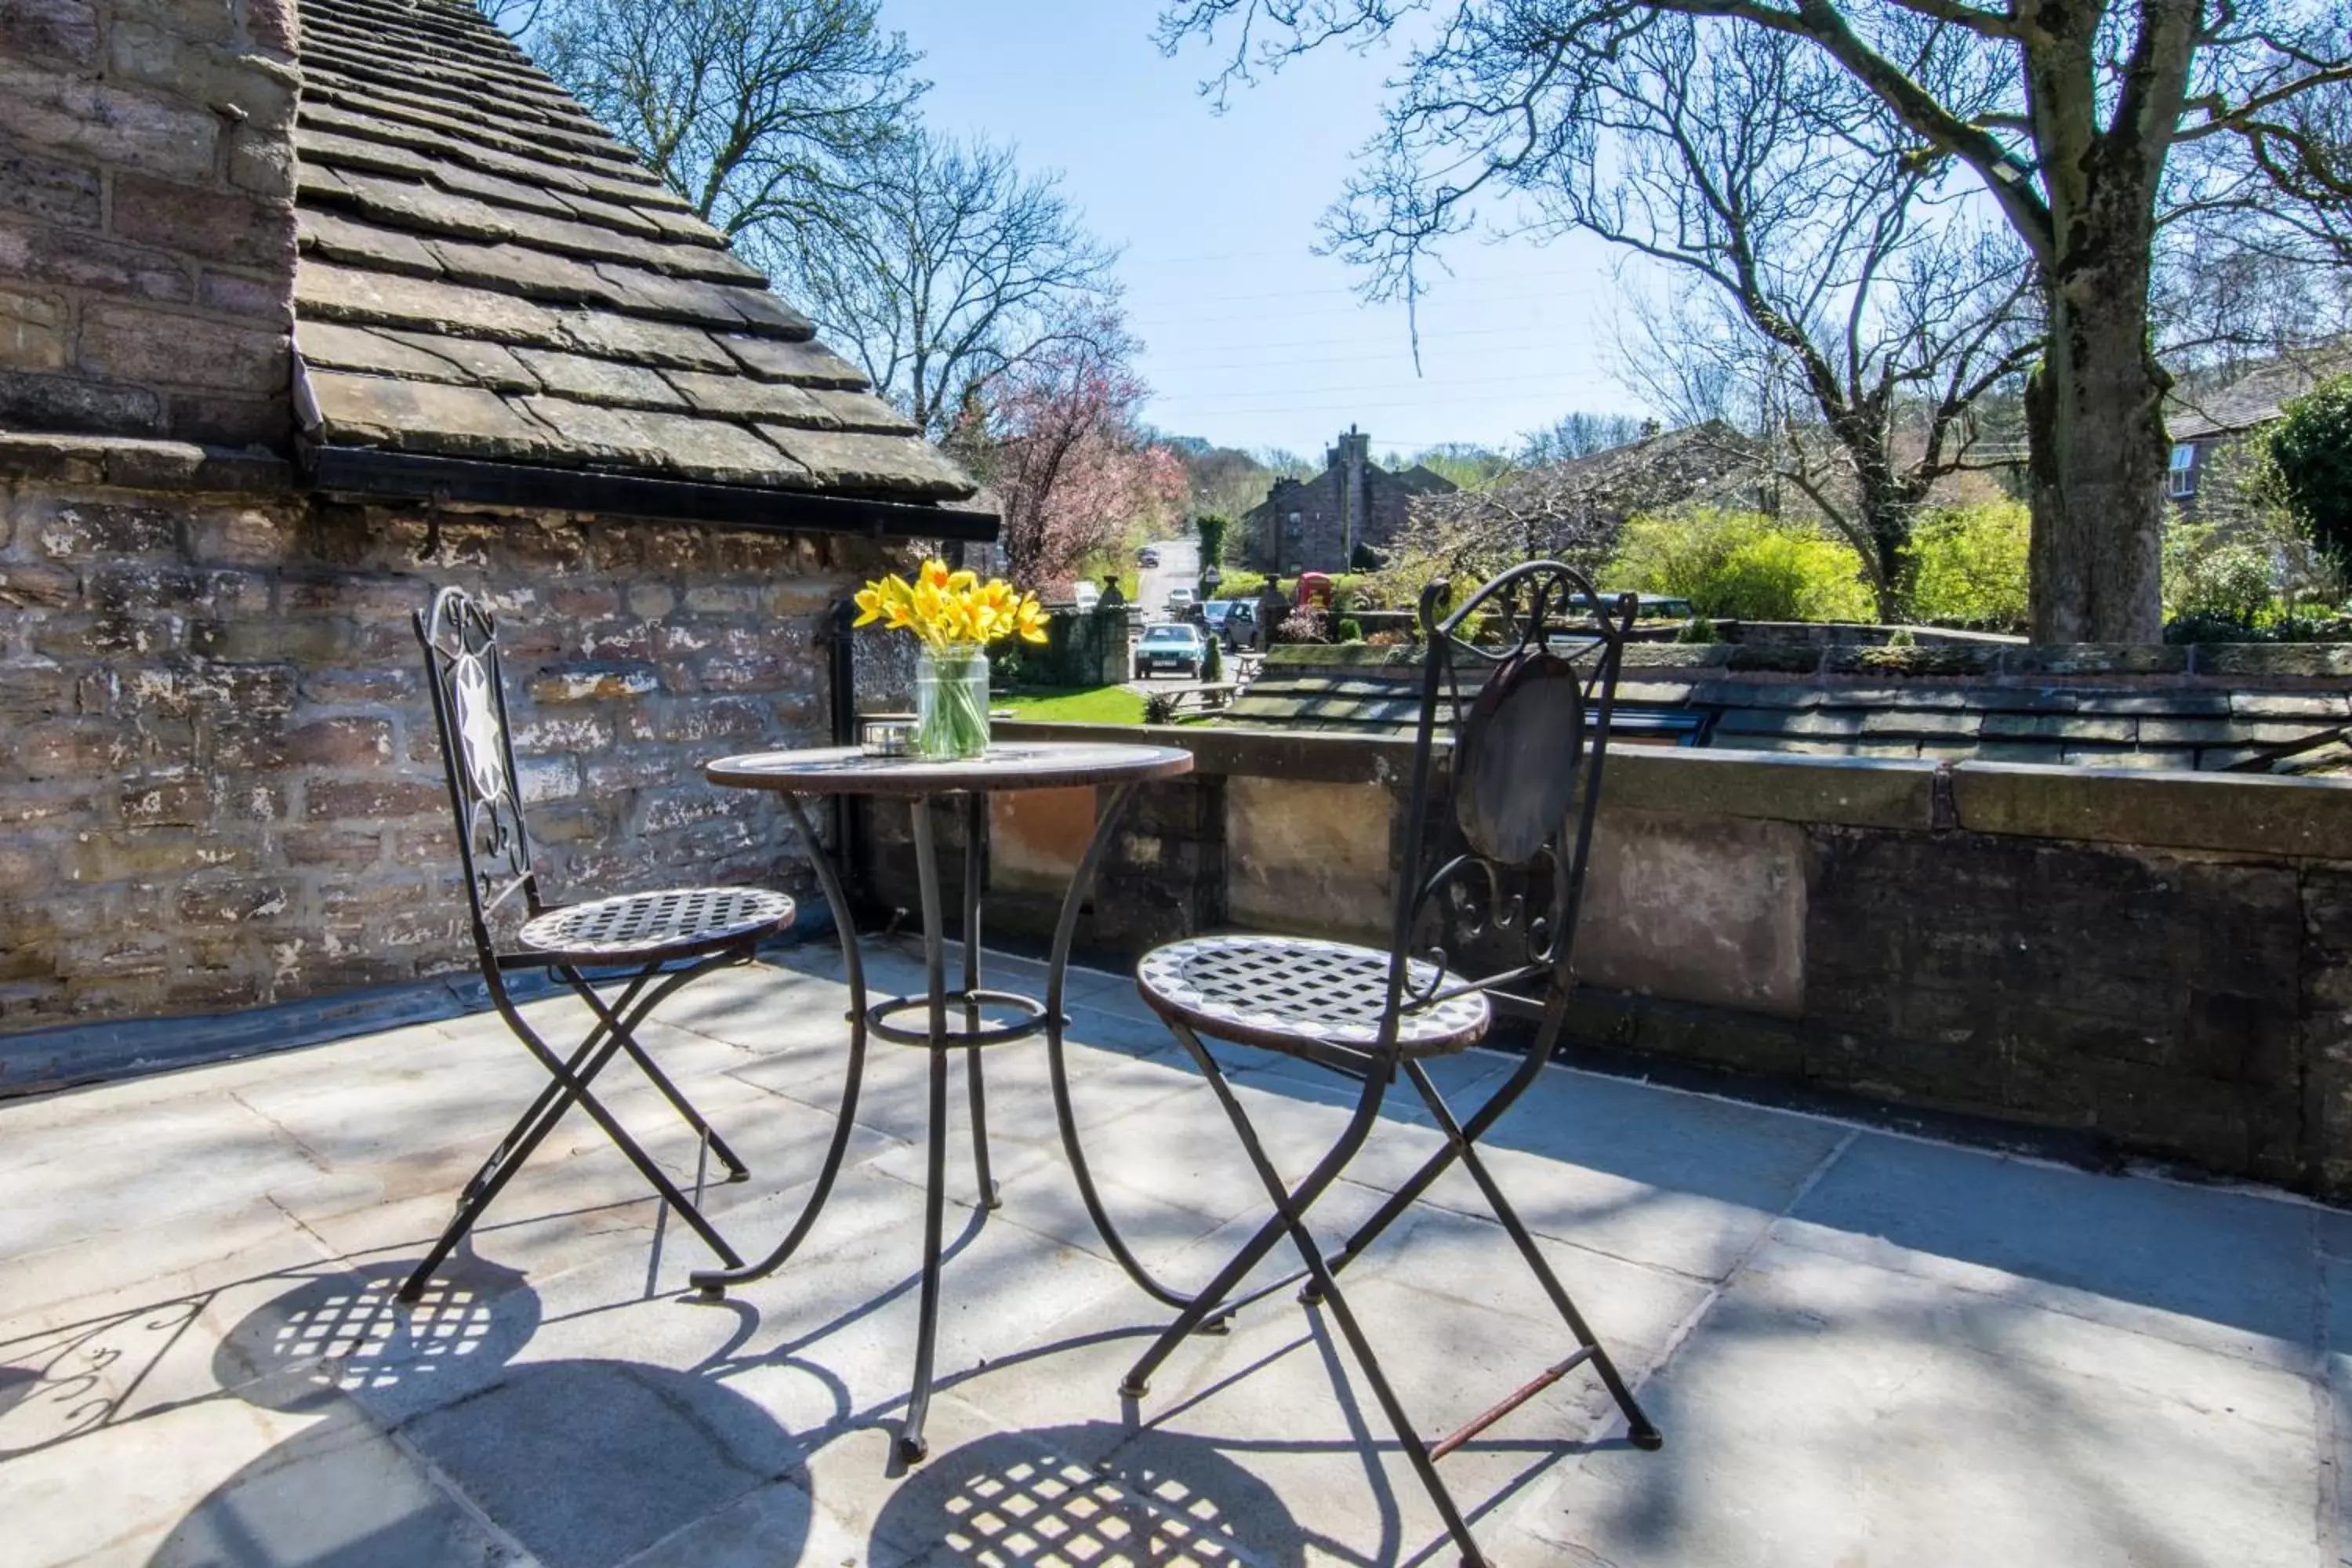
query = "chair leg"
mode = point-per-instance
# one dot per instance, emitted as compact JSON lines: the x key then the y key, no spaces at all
{"x":1204,"y":1307}
{"x":624,"y":1020}
{"x":1644,"y":1434}
{"x":573,"y":1087}
{"x":1291,"y":1213}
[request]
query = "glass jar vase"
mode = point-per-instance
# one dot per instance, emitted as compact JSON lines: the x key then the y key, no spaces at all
{"x":951,"y":703}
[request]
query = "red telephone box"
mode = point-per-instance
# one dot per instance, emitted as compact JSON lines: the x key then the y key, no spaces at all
{"x":1314,"y":591}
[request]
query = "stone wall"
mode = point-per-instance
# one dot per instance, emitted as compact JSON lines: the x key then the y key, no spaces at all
{"x":146,"y":217}
{"x":221,"y":784}
{"x":2160,"y":961}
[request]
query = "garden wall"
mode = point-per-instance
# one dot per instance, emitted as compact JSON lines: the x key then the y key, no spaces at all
{"x":219,"y":782}
{"x":2163,"y":960}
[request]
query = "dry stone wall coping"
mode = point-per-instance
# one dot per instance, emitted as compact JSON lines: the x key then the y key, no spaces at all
{"x":2243,"y":813}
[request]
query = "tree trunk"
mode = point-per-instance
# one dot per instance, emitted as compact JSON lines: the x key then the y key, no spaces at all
{"x":2094,"y":412}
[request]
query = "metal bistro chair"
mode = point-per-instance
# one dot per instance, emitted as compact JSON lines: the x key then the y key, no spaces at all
{"x":1502,"y":864}
{"x":652,"y":943}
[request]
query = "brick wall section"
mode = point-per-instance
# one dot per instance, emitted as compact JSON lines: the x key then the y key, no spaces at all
{"x":219,"y":782}
{"x":146,"y":217}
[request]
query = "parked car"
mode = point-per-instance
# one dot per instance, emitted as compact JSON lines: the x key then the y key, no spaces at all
{"x":1233,"y":622}
{"x":1148,"y":558}
{"x":1085,"y":596}
{"x":1181,"y":602}
{"x":1173,"y":647}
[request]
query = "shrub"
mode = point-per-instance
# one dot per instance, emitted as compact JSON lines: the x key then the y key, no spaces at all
{"x":1697,"y":630}
{"x":1241,"y":584}
{"x":2213,"y":577}
{"x":1350,"y":630}
{"x":1304,"y":623}
{"x":2310,"y":457}
{"x":1742,"y":566}
{"x":1969,"y":566}
{"x":1212,"y":663}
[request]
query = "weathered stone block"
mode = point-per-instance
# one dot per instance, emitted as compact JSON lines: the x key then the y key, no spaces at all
{"x":32,"y":401}
{"x":48,"y":190}
{"x":33,"y":330}
{"x":54,"y":112}
{"x":133,"y":343}
{"x":372,"y":799}
{"x":341,"y":742}
{"x":65,"y":31}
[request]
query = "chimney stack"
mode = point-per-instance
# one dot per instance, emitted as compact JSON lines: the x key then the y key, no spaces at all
{"x":147,"y":219}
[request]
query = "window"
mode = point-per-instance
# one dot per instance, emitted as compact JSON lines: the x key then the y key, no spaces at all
{"x":2180,"y":477}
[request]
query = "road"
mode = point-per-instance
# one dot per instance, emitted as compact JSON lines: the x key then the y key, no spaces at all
{"x":1180,"y":567}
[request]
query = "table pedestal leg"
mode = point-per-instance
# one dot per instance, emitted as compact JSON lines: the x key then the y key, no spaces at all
{"x":911,"y":1446}
{"x":975,"y":878}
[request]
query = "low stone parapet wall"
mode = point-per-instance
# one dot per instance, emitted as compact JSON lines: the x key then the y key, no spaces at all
{"x":2163,"y":960}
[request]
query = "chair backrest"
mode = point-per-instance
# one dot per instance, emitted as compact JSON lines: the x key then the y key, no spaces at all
{"x":1519,"y":683}
{"x":469,"y":708}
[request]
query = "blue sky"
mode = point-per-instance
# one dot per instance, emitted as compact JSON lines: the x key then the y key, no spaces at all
{"x":1251,"y":338}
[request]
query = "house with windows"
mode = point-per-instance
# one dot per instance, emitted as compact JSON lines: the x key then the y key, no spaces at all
{"x":1320,"y":524}
{"x":2206,"y":422}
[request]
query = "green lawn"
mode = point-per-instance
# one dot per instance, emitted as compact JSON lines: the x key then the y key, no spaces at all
{"x":1074,"y":704}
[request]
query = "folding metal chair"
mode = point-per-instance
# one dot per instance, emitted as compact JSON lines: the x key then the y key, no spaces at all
{"x":649,"y":944}
{"x":1501,"y":867}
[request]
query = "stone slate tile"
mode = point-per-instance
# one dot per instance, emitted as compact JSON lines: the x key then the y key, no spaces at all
{"x":2228,"y":1268}
{"x":587,"y":1463}
{"x":419,"y":416}
{"x":853,"y":461}
{"x":802,"y":363}
{"x":692,"y":448}
{"x":2039,"y":1452}
{"x":490,"y":364}
{"x":338,"y":293}
{"x":520,"y":270}
{"x":604,"y":381}
{"x":740,"y":396}
{"x":663,"y":344}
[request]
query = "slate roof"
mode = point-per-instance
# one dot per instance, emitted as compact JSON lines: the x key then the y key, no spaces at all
{"x":2188,"y":728}
{"x":2253,"y":399}
{"x":1585,"y":500}
{"x":485,"y":273}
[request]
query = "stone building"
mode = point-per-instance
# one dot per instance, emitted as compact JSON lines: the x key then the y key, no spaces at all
{"x":301,"y":317}
{"x":1316,"y":525}
{"x":2207,"y":421}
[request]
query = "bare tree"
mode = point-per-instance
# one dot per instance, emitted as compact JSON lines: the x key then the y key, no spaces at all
{"x":948,"y":268}
{"x":2092,"y":100}
{"x":756,"y":112}
{"x":1830,"y":296}
{"x":1579,"y":435}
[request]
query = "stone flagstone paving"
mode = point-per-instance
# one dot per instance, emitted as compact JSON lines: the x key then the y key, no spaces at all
{"x":1864,"y":1350}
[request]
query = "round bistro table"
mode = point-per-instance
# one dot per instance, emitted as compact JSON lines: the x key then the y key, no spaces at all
{"x":949,"y":1018}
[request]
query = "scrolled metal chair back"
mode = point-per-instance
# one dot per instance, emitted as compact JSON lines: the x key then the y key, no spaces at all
{"x":469,"y":709}
{"x":1520,"y":685}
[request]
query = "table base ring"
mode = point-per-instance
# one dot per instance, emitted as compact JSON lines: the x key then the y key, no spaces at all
{"x":958,"y":1036}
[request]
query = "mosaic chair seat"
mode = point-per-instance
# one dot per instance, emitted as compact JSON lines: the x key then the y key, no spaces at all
{"x":643,"y":946}
{"x":1517,"y":691}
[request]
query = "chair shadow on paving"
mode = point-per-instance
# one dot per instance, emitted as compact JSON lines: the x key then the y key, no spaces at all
{"x":583,"y":1463}
{"x":1030,"y":1496}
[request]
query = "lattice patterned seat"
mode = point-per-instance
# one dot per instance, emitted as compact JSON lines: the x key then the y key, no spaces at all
{"x":672,"y":923}
{"x":1299,"y":995}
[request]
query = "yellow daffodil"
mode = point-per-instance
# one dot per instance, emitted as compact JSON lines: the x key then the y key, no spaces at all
{"x":946,"y":607}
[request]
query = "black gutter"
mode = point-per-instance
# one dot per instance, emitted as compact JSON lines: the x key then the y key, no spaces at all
{"x":412,"y":475}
